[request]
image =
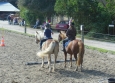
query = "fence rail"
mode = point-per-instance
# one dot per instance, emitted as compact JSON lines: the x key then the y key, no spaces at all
{"x":97,"y":36}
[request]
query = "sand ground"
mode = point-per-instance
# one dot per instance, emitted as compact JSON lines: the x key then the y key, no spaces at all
{"x":19,"y":63}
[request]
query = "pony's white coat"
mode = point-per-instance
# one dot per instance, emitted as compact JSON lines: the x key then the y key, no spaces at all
{"x":39,"y":35}
{"x":53,"y":48}
{"x":47,"y":51}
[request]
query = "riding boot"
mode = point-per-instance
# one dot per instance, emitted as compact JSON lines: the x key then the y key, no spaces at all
{"x":63,"y":49}
{"x":63,"y":46}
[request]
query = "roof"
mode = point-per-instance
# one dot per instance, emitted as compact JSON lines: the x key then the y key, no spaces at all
{"x":7,"y":7}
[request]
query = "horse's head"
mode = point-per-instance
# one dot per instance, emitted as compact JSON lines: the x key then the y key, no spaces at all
{"x":61,"y":36}
{"x":38,"y":36}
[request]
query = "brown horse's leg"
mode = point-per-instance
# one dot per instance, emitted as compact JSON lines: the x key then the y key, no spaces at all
{"x":65,"y":58}
{"x":75,"y":56}
{"x":76,"y":69}
{"x":80,"y":60}
{"x":80,"y":68}
{"x":71,"y":60}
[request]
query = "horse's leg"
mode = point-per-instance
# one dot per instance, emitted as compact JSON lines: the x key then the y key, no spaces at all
{"x":82,"y":61}
{"x":70,"y":60}
{"x":55,"y":58}
{"x":77,"y":68}
{"x":75,"y":56}
{"x":65,"y":58}
{"x":42,"y":65}
{"x":49,"y":62}
{"x":79,"y":61}
{"x":81,"y":67}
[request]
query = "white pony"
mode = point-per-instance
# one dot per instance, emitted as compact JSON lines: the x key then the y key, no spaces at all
{"x":49,"y":47}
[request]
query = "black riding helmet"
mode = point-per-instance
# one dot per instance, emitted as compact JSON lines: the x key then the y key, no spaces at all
{"x":72,"y":24}
{"x":47,"y":25}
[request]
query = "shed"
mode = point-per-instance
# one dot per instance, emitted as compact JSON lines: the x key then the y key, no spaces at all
{"x":7,"y":7}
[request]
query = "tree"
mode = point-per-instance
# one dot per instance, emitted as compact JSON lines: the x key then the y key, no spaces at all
{"x":111,"y":8}
{"x":38,"y":8}
{"x":45,"y":7}
{"x":87,"y":12}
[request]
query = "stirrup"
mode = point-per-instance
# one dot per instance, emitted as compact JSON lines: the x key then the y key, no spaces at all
{"x":63,"y":50}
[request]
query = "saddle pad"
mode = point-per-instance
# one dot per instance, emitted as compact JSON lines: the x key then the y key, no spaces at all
{"x":66,"y":44}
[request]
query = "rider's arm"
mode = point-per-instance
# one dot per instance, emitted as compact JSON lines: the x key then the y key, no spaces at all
{"x":67,"y":32}
{"x":75,"y":32}
{"x":51,"y":30}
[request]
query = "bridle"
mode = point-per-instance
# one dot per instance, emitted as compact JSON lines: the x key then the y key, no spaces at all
{"x":36,"y":38}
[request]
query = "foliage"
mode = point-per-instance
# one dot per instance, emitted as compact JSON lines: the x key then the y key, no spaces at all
{"x":90,"y":13}
{"x":45,"y":7}
{"x":110,"y":6}
{"x":68,"y":7}
{"x":30,"y":17}
{"x":34,"y":9}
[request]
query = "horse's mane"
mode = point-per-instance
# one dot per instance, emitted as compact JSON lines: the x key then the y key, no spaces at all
{"x":63,"y":34}
{"x":39,"y":35}
{"x":56,"y":40}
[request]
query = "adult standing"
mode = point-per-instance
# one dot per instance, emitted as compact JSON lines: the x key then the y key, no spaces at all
{"x":9,"y":19}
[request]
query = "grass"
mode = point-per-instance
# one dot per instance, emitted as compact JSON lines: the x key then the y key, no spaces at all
{"x":108,"y":39}
{"x":2,"y":29}
{"x":100,"y":49}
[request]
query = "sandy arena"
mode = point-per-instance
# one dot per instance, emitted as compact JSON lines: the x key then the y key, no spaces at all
{"x":19,"y":64}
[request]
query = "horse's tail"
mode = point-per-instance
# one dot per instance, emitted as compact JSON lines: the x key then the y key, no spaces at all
{"x":48,"y":50}
{"x":81,"y":53}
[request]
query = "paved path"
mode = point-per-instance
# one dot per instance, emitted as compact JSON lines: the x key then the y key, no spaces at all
{"x":93,"y":43}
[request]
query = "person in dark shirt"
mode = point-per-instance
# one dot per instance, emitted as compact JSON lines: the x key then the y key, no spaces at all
{"x":9,"y":19}
{"x":71,"y":34}
{"x":47,"y":34}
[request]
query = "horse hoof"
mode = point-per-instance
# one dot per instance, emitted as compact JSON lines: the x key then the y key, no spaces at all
{"x":53,"y":70}
{"x":42,"y":66}
{"x":76,"y":69}
{"x":39,"y":69}
{"x":64,"y":66}
{"x":47,"y":67}
{"x":49,"y":70}
{"x":70,"y":66}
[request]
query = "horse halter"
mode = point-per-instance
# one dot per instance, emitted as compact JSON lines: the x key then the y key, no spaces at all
{"x":59,"y":38}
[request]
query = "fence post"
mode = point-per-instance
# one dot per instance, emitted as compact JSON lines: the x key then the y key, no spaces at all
{"x":82,"y":33}
{"x":25,"y":27}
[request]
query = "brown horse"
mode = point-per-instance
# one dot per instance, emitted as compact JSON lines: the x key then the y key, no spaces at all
{"x":75,"y":47}
{"x":49,"y":47}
